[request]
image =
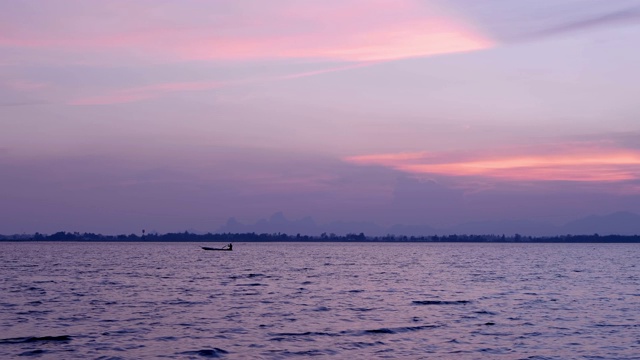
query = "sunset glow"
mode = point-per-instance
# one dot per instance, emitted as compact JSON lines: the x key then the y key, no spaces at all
{"x":351,"y":30}
{"x":608,"y":165}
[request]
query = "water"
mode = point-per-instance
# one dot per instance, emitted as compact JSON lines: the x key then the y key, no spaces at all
{"x":356,"y":301}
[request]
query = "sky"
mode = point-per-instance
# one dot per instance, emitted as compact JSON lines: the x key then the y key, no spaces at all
{"x":120,"y":115}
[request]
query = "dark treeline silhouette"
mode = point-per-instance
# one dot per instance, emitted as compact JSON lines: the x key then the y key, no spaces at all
{"x":324,"y":237}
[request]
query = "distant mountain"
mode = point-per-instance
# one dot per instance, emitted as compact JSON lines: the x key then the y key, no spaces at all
{"x":619,"y":223}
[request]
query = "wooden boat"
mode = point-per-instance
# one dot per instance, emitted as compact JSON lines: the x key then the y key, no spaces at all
{"x":215,"y":249}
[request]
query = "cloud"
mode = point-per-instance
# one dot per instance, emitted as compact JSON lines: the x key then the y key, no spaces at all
{"x":577,"y":165}
{"x":346,"y":30}
{"x":141,"y":93}
{"x":25,"y":85}
{"x":22,"y":103}
{"x":622,"y":16}
{"x":122,"y":34}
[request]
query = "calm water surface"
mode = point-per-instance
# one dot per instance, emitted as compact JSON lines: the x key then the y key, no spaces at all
{"x":357,"y":301}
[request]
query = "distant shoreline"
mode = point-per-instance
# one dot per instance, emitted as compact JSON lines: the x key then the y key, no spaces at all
{"x":326,"y":238}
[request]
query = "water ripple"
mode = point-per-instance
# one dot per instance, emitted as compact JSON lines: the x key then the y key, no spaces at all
{"x":359,"y":301}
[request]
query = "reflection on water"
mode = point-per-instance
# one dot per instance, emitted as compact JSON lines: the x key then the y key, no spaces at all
{"x":275,"y":301}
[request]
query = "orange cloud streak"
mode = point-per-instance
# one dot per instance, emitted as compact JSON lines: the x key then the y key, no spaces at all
{"x":603,"y":166}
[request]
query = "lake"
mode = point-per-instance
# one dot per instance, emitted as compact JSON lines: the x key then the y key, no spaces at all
{"x":323,"y":300}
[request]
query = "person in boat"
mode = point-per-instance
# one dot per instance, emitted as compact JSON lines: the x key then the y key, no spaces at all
{"x":230,"y":246}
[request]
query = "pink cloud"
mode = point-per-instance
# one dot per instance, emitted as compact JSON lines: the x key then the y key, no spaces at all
{"x":581,"y":165}
{"x":140,"y":93}
{"x":325,"y":71}
{"x":351,"y":31}
{"x":346,"y":30}
{"x":145,"y":92}
{"x":25,"y":85}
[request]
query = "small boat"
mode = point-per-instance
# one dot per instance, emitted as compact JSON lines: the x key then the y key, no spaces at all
{"x":215,"y":249}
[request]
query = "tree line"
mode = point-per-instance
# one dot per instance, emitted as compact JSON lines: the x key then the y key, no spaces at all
{"x":324,"y":237}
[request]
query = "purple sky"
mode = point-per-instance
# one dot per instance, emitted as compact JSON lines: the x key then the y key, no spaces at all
{"x":172,"y":115}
